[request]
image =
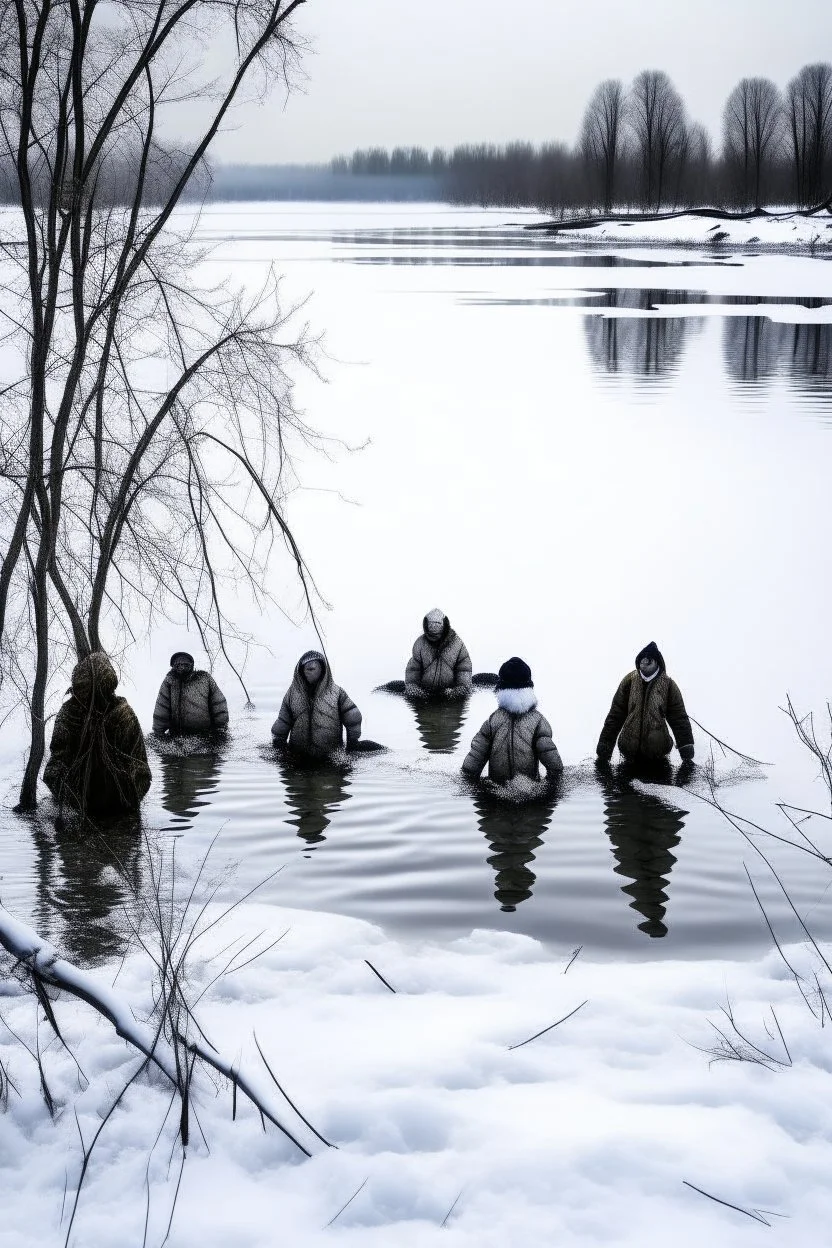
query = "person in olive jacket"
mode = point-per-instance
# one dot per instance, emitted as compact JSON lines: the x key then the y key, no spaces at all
{"x":190,"y":702}
{"x":515,"y":739}
{"x":440,"y":663}
{"x":645,"y":703}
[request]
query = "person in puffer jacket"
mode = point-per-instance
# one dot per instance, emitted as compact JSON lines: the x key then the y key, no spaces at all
{"x":190,"y":702}
{"x":516,"y":739}
{"x":440,"y":662}
{"x":645,"y":702}
{"x":315,"y":711}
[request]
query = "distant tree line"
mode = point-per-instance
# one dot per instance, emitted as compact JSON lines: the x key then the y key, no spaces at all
{"x":639,"y":149}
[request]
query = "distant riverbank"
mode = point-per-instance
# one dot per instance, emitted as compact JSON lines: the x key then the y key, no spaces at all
{"x":705,"y":228}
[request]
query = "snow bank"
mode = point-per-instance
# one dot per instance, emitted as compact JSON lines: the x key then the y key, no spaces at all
{"x":781,"y":231}
{"x":584,"y":1136}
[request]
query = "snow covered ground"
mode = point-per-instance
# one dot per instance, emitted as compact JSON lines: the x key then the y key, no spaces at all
{"x":778,"y":231}
{"x":446,"y":1134}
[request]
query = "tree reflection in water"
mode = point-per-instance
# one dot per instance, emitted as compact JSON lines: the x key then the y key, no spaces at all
{"x":314,"y":791}
{"x":757,"y":348}
{"x":514,"y":830}
{"x":643,"y":830}
{"x":439,"y":722}
{"x":89,"y":879}
{"x":649,"y":346}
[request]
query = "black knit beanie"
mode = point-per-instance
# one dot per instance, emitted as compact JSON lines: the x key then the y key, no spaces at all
{"x":181,"y":654}
{"x":309,"y":656}
{"x":515,"y":674}
{"x":651,"y":651}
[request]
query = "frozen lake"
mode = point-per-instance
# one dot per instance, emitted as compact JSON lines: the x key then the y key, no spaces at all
{"x":571,"y":452}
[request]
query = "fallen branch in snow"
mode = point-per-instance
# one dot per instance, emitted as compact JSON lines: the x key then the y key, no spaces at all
{"x":575,"y":953}
{"x":756,"y":1214}
{"x":380,"y":976}
{"x":41,"y":963}
{"x":549,"y":1028}
{"x":360,"y":1188}
{"x":729,"y":748}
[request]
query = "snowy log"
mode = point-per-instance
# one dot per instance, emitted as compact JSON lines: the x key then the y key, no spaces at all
{"x":44,"y":964}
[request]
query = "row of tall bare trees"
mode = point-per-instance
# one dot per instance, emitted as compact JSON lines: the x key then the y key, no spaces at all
{"x":146,"y":415}
{"x":776,"y":146}
{"x":638,"y":148}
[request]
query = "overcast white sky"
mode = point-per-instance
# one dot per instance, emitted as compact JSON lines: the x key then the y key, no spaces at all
{"x":441,"y":72}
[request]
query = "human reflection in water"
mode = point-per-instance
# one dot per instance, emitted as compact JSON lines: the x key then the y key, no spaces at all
{"x":314,"y":791}
{"x":439,"y":722}
{"x":514,"y":830}
{"x":188,"y":780}
{"x":643,"y":830}
{"x":89,"y":882}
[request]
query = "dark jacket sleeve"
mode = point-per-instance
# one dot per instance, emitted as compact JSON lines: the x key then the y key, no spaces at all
{"x":59,"y":748}
{"x":415,"y":669}
{"x":615,"y":719}
{"x":132,"y":748}
{"x":463,"y":668}
{"x":282,"y":726}
{"x":217,"y":705}
{"x":161,"y":711}
{"x":677,"y":717}
{"x":350,"y":717}
{"x":479,"y":753}
{"x":545,"y":749}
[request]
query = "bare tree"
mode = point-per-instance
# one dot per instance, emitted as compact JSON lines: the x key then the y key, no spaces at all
{"x":657,"y":118}
{"x":602,"y":134}
{"x":809,"y":113}
{"x":147,"y":431}
{"x":752,"y":130}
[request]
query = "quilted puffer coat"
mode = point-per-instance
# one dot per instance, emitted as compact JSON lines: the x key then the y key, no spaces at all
{"x":193,"y":704}
{"x":435,"y":666}
{"x":639,"y":717}
{"x":312,"y":719}
{"x":97,"y":762}
{"x":514,"y":742}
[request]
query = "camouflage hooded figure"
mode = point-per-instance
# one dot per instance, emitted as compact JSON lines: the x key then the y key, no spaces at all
{"x":515,"y":740}
{"x":440,"y":662}
{"x":97,"y":762}
{"x":645,"y":703}
{"x":190,"y":701}
{"x":315,"y":711}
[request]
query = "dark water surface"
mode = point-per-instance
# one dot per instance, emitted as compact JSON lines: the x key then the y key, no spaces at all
{"x":397,"y":838}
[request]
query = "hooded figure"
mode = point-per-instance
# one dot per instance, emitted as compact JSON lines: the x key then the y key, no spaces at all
{"x":515,"y":739}
{"x":440,"y":662}
{"x":190,"y":702}
{"x":97,"y":764}
{"x":645,"y":702}
{"x":315,"y":711}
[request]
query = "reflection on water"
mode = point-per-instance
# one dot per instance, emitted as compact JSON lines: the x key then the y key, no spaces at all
{"x":88,"y":876}
{"x":187,"y":783}
{"x":757,"y":348}
{"x":643,"y":829}
{"x":314,"y":791}
{"x":514,"y":830}
{"x":439,"y":723}
{"x":647,"y":345}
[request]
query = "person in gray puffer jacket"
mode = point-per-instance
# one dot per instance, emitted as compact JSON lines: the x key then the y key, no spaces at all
{"x":315,"y":711}
{"x":440,"y":662}
{"x":516,"y":739}
{"x":190,"y":701}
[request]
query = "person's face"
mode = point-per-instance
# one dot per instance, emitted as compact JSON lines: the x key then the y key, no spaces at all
{"x":434,"y":629}
{"x":313,"y":670}
{"x":648,"y":666}
{"x":183,"y":667}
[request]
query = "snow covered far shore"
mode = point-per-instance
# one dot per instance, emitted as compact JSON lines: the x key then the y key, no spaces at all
{"x":450,"y":1129}
{"x":787,"y":231}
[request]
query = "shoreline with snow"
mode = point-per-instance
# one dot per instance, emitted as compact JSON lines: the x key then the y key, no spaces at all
{"x":788,"y":232}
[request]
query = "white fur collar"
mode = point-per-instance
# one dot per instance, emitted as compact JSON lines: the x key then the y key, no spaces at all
{"x":517,"y":701}
{"x":647,"y":679}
